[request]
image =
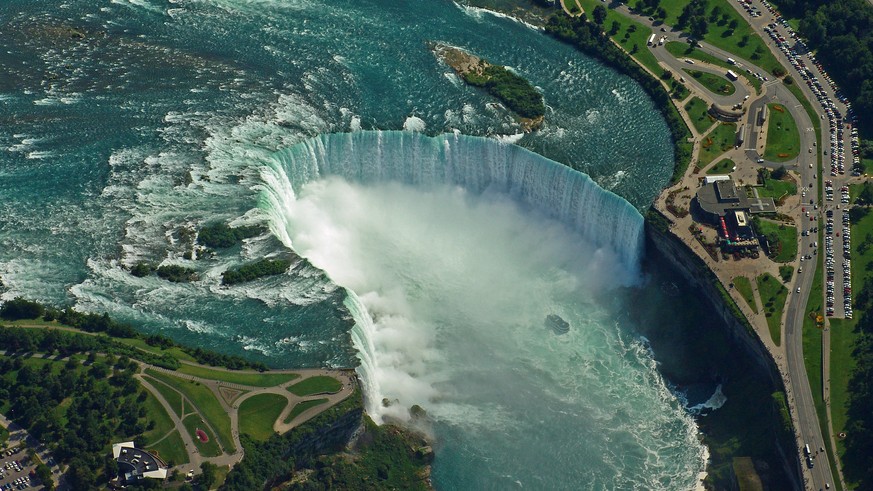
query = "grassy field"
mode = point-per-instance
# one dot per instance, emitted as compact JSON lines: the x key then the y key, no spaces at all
{"x":316,"y":385}
{"x":783,"y":139}
{"x":787,"y":248}
{"x":697,"y":110}
{"x":684,"y":50}
{"x":722,"y":36}
{"x":628,"y":37}
{"x":571,"y":6}
{"x":258,"y":413}
{"x":843,"y":333}
{"x":301,"y":407}
{"x":156,"y":412}
{"x":255,"y":379}
{"x":171,"y":449}
{"x":744,"y":286}
{"x":717,"y":142}
{"x":175,"y":352}
{"x":174,"y":399}
{"x":713,"y":83}
{"x":209,"y":448}
{"x":786,"y":272}
{"x":4,"y":434}
{"x":205,"y":402}
{"x":726,"y":166}
{"x":773,"y":295}
{"x":777,"y":188}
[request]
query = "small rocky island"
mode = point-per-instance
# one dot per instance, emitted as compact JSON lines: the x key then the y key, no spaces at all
{"x":516,"y":93}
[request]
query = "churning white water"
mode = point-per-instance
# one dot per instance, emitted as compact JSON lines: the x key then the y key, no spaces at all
{"x":450,"y":280}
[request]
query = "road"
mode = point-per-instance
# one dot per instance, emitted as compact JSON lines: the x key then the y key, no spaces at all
{"x":808,"y":430}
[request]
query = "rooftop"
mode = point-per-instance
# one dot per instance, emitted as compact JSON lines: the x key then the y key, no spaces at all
{"x":136,"y":463}
{"x":721,"y":197}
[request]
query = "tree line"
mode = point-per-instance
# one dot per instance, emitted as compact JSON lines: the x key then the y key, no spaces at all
{"x":517,"y":93}
{"x":840,"y":32}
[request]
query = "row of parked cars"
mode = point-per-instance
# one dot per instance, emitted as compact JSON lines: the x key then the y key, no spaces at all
{"x":846,"y":235}
{"x":835,"y":119}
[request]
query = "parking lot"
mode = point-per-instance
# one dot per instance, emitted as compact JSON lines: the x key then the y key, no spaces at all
{"x":15,"y":470}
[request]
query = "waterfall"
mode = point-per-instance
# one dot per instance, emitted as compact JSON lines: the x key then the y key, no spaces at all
{"x":476,"y":164}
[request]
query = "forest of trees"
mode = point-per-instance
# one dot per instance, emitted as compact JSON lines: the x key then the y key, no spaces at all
{"x":514,"y":91}
{"x":255,"y":270}
{"x":841,"y":32}
{"x":76,"y":410}
{"x":220,"y":235}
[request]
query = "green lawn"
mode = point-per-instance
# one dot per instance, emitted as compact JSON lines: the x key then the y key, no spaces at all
{"x":713,"y":83}
{"x":717,"y":142}
{"x":4,"y":434}
{"x":301,"y":407}
{"x":171,"y":449}
{"x":683,"y":50}
{"x":783,"y":139}
{"x":697,"y":111}
{"x":209,"y":448}
{"x":744,"y":286}
{"x":627,"y":39}
{"x":204,"y":400}
{"x":255,"y":379}
{"x":726,"y":166}
{"x":572,"y":6}
{"x":141,"y":344}
{"x":156,"y":412}
{"x":773,"y":295}
{"x":721,"y":36}
{"x":786,"y":249}
{"x":257,"y":414}
{"x":173,"y":397}
{"x":777,"y":188}
{"x":843,"y":333}
{"x":316,"y":385}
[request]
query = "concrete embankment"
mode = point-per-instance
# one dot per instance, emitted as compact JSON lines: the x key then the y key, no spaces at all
{"x":662,"y":245}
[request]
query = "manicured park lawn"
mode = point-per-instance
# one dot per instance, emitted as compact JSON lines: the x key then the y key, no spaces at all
{"x":717,"y":142}
{"x":301,"y":407}
{"x":257,"y":414}
{"x":777,"y":188}
{"x":171,"y":449}
{"x":726,"y":166}
{"x":316,"y":385}
{"x":255,"y":379}
{"x":624,"y":37}
{"x":787,"y":236}
{"x":713,"y":83}
{"x":174,"y":399}
{"x":697,"y":111}
{"x":744,"y":286}
{"x":783,"y":139}
{"x":683,"y":50}
{"x":571,"y":6}
{"x":721,"y":36}
{"x":141,"y":344}
{"x":773,"y":294}
{"x":205,"y":402}
{"x":156,"y":412}
{"x":208,"y":448}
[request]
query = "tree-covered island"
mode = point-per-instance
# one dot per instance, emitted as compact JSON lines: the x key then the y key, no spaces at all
{"x":515,"y":92}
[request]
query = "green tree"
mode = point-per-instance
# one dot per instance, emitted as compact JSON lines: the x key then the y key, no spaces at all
{"x":599,"y":15}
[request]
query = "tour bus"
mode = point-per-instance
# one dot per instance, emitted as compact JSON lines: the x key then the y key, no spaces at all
{"x":731,"y":75}
{"x":731,"y":61}
{"x":806,"y":450}
{"x":651,"y":40}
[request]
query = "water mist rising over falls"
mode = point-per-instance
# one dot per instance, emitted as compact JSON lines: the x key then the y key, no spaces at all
{"x":453,"y":251}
